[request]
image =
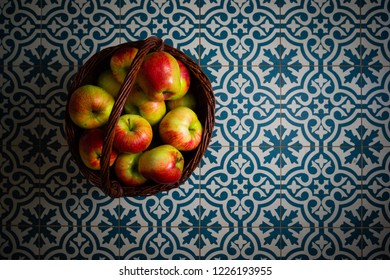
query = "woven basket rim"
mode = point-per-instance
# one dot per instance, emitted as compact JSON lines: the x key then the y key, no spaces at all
{"x":104,"y":178}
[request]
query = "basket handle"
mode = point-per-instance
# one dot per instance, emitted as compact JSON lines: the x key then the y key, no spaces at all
{"x":113,"y":189}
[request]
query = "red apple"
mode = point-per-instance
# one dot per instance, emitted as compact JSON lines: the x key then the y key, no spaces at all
{"x":133,"y":134}
{"x":121,"y":61}
{"x":138,"y":103}
{"x":107,"y":82}
{"x":126,"y":169}
{"x":163,"y":164}
{"x":181,"y":128}
{"x":91,"y":146}
{"x":187,"y":100}
{"x":159,"y":76}
{"x":90,"y":106}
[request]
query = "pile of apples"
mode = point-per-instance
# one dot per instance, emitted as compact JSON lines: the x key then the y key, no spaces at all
{"x":157,"y":125}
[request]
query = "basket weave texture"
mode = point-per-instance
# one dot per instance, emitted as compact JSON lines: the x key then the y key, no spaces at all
{"x":200,"y":85}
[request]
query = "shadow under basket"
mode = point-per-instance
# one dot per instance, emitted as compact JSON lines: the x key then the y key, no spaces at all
{"x":105,"y":178}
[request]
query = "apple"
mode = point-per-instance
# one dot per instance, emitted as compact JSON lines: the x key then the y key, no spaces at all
{"x":90,"y":106}
{"x":181,"y":128}
{"x":185,"y":80}
{"x":91,"y":146}
{"x":159,"y":76}
{"x":138,"y":103}
{"x":163,"y":164}
{"x":121,"y":61}
{"x":133,"y":134}
{"x":126,"y":169}
{"x":187,"y":100}
{"x":107,"y":82}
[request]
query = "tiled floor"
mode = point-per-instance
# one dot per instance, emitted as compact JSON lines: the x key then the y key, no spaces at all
{"x":299,"y":163}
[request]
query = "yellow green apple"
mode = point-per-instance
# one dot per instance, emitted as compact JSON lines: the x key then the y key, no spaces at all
{"x":126,"y":169}
{"x":90,"y":106}
{"x":107,"y":82}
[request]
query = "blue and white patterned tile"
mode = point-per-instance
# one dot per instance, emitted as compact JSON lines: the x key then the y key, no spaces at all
{"x":317,"y":115}
{"x":54,"y":93}
{"x":375,"y":32}
{"x":324,"y":244}
{"x":376,"y":187}
{"x":78,"y":243}
{"x":375,"y":107}
{"x":74,"y":31}
{"x":234,"y":32}
{"x":379,"y":246}
{"x":240,"y":186}
{"x":321,"y":30}
{"x":67,"y":197}
{"x":240,"y":243}
{"x":19,"y":243}
{"x":320,"y":189}
{"x":247,"y":104}
{"x":164,"y":209}
{"x":20,"y":106}
{"x":159,"y":243}
{"x":175,"y":22}
{"x":19,"y":186}
{"x":20,"y":32}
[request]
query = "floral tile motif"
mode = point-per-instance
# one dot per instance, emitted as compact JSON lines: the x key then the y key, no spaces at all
{"x":247,"y":104}
{"x":163,"y":209}
{"x":234,"y":32}
{"x":20,"y":104}
{"x":19,"y":202}
{"x":19,"y":243}
{"x":322,"y":31}
{"x":239,"y":187}
{"x":70,"y":35}
{"x":375,"y":33}
{"x":324,"y":244}
{"x":298,"y":164}
{"x":378,"y":248}
{"x":240,"y":243}
{"x":158,"y":243}
{"x":376,"y":188}
{"x":176,"y":22}
{"x":322,"y":105}
{"x":78,"y":243}
{"x":56,"y":81}
{"x":309,"y":189}
{"x":20,"y":32}
{"x":375,"y":104}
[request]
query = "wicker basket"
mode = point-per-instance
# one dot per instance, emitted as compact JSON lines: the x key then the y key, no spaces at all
{"x":105,"y":178}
